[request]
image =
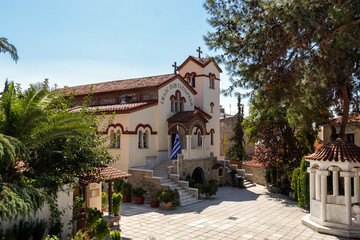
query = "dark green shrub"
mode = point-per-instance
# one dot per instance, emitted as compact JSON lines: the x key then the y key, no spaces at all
{"x":300,"y":184}
{"x":210,"y":188}
{"x":39,"y":230}
{"x":126,"y":189}
{"x":170,"y":195}
{"x":104,"y":197}
{"x":139,"y":192}
{"x":101,"y":229}
{"x":118,"y":185}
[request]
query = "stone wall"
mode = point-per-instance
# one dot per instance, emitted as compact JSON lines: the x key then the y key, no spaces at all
{"x":144,"y":178}
{"x":258,"y":173}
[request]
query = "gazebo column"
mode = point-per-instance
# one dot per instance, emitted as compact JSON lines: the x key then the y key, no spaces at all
{"x":203,"y":146}
{"x":347,"y":182}
{"x":317,"y":186}
{"x":356,"y":184}
{"x":188,"y":146}
{"x":312,"y":172}
{"x":335,"y":180}
{"x":323,"y":174}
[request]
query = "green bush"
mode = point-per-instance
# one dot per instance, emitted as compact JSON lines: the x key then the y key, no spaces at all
{"x":300,"y":184}
{"x":139,"y":192}
{"x":51,"y":237}
{"x":104,"y":197}
{"x":93,"y":215}
{"x":115,"y":235}
{"x":101,"y":229}
{"x":170,"y":195}
{"x":116,"y":203}
{"x":126,"y":189}
{"x":118,"y":185}
{"x":39,"y":230}
{"x":210,"y":188}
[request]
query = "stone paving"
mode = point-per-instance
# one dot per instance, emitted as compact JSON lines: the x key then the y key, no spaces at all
{"x":232,"y":213}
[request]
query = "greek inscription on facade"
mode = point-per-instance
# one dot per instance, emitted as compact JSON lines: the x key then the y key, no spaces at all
{"x":178,"y":86}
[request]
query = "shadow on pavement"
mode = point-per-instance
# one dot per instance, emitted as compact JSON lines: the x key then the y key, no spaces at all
{"x":224,"y":194}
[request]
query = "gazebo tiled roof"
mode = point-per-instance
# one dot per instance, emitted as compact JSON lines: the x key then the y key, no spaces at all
{"x":337,"y":151}
{"x":185,"y":116}
{"x":106,"y":173}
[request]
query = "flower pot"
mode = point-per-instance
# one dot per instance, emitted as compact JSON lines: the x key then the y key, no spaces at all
{"x":154,"y":203}
{"x":167,"y":205}
{"x":139,"y":200}
{"x":126,"y":198}
{"x":199,"y":197}
{"x":207,"y":195}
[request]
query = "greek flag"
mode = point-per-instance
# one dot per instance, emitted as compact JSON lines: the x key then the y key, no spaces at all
{"x":176,"y":147}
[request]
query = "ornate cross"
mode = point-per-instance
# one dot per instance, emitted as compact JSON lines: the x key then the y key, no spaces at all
{"x":199,"y":51}
{"x":175,"y":68}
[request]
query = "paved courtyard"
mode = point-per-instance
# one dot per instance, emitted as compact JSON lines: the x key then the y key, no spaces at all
{"x":232,"y":213}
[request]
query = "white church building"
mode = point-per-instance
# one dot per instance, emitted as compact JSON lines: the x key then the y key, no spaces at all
{"x":147,"y":112}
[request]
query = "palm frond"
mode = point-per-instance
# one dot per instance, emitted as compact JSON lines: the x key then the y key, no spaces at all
{"x":6,"y":47}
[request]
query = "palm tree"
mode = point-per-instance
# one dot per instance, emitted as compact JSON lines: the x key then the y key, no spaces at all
{"x":6,"y":47}
{"x":30,"y":117}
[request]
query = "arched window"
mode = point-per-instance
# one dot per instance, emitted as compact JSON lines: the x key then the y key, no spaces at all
{"x":199,"y":138}
{"x":145,"y":139}
{"x":140,"y":139}
{"x":212,"y":107}
{"x":172,"y":106}
{"x":117,"y":142}
{"x":193,"y":81}
{"x":181,"y":107}
{"x":112,"y":139}
{"x":211,"y":82}
{"x":212,"y":138}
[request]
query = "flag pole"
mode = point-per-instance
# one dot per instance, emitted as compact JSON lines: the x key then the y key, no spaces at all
{"x":177,"y":156}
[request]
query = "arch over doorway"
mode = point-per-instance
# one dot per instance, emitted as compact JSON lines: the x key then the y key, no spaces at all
{"x":198,"y":175}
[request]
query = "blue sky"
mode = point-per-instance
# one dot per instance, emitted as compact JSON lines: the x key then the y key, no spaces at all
{"x":81,"y":42}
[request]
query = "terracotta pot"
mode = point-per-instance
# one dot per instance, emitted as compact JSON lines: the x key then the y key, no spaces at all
{"x":167,"y":205}
{"x":207,"y":195}
{"x":199,"y":197}
{"x":126,"y":198}
{"x":139,"y":200}
{"x":154,"y":203}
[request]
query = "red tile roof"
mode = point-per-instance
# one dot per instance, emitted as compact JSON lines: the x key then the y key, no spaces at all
{"x":106,"y":173}
{"x":125,"y":107}
{"x":352,"y":118}
{"x":337,"y":151}
{"x":119,"y":85}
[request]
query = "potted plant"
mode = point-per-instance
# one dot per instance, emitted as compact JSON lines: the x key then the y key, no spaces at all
{"x":169,"y":197}
{"x":199,"y":187}
{"x":233,"y":174}
{"x":118,"y":184}
{"x":139,"y":195}
{"x":210,"y":189}
{"x":104,"y":197}
{"x":126,"y":190}
{"x":116,"y":203}
{"x":115,"y":235}
{"x":154,"y":199}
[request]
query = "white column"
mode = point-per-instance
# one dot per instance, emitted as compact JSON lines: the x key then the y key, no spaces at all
{"x":356,"y":184}
{"x":188,"y":146}
{"x":317,"y":186}
{"x":335,"y":180}
{"x":323,"y":199}
{"x":312,"y":172}
{"x":169,"y":146}
{"x":347,"y":182}
{"x":203,"y":146}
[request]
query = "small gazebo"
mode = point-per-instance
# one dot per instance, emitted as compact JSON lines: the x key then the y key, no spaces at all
{"x":335,"y":211}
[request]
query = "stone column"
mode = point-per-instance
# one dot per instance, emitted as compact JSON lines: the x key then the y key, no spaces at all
{"x":169,"y":146}
{"x":203,"y":146}
{"x":323,"y":173}
{"x":312,"y":172}
{"x":356,"y":184}
{"x":347,"y":182}
{"x":335,"y":180}
{"x":317,"y":186}
{"x":188,"y":146}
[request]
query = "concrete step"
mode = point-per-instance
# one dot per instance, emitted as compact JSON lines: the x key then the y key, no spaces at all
{"x":189,"y":201}
{"x":249,"y":184}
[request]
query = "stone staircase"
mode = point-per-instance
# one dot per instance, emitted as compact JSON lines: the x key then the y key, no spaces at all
{"x":248,"y":183}
{"x":163,"y":170}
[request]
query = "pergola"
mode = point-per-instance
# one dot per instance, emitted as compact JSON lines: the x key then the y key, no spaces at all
{"x":335,"y":211}
{"x":104,"y":174}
